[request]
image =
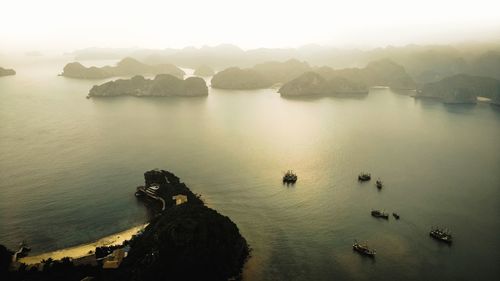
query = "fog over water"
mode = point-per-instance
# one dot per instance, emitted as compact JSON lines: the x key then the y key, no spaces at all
{"x":70,"y":166}
{"x":29,"y":25}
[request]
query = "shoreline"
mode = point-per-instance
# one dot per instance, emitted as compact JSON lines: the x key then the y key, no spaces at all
{"x":82,"y":250}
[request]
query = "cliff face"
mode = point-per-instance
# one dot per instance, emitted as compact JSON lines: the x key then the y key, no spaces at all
{"x":7,"y":72}
{"x":462,"y":88}
{"x":313,"y":84}
{"x":240,"y":79}
{"x":161,"y":85}
{"x":126,"y":67}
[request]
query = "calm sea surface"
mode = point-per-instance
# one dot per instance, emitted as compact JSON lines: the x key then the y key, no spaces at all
{"x":69,"y":167}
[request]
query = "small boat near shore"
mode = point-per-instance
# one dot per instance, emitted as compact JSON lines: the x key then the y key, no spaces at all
{"x":441,"y":234}
{"x":363,"y":249}
{"x":380,"y":214}
{"x":379,"y":184}
{"x":364,"y":177}
{"x":395,"y":215}
{"x":290,"y":177}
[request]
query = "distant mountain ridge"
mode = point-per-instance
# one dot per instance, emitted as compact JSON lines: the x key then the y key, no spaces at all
{"x":126,"y":67}
{"x":424,"y":63}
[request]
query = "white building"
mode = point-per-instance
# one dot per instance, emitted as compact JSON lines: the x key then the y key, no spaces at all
{"x":153,"y":189}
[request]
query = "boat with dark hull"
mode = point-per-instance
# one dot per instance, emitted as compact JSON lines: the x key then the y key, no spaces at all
{"x":363,"y":249}
{"x":395,"y":215}
{"x":290,"y":177}
{"x":364,"y":177}
{"x":380,"y":214}
{"x":441,"y":234}
{"x":379,"y":184}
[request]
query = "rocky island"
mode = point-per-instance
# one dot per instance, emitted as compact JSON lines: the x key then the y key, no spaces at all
{"x":260,"y":76}
{"x":126,"y":67}
{"x":313,"y":84}
{"x":185,"y":240}
{"x":235,"y":78}
{"x":162,"y":85}
{"x":377,"y":73}
{"x":462,"y":88}
{"x":6,"y":72}
{"x":204,"y":71}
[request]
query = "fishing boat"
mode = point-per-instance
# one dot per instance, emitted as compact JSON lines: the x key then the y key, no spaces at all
{"x":396,"y":216}
{"x":364,"y":177}
{"x":289,"y":177}
{"x":379,"y":184}
{"x":441,"y":234}
{"x":363,"y":249}
{"x":380,"y":214}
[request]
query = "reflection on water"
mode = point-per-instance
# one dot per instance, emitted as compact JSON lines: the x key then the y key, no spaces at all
{"x":69,"y":166}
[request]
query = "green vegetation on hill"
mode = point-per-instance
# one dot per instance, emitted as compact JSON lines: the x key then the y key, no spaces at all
{"x":162,"y":85}
{"x":240,"y":79}
{"x":126,"y":67}
{"x":377,"y":73}
{"x":424,"y":63}
{"x":462,"y":88}
{"x":262,"y":75}
{"x":313,"y":84}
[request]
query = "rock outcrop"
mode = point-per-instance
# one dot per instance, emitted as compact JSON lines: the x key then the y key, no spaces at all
{"x":162,"y":85}
{"x":282,"y":72}
{"x":377,"y":73}
{"x":240,"y":79}
{"x":313,"y":84}
{"x":126,"y":67}
{"x":185,"y":242}
{"x":262,"y":75}
{"x":7,"y":72}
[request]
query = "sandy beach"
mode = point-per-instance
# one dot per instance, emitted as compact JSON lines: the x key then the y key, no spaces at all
{"x":84,"y":249}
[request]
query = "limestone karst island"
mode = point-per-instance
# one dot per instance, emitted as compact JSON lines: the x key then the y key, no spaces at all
{"x":249,"y":140}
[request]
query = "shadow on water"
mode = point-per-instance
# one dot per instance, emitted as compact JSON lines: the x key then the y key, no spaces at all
{"x":404,"y":92}
{"x":495,"y":107}
{"x":114,"y":100}
{"x":459,"y":108}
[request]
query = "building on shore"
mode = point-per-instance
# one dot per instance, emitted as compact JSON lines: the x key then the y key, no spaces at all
{"x":180,"y":199}
{"x":114,"y":260}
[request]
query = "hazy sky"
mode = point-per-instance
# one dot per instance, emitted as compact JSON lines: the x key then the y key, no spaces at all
{"x":70,"y":24}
